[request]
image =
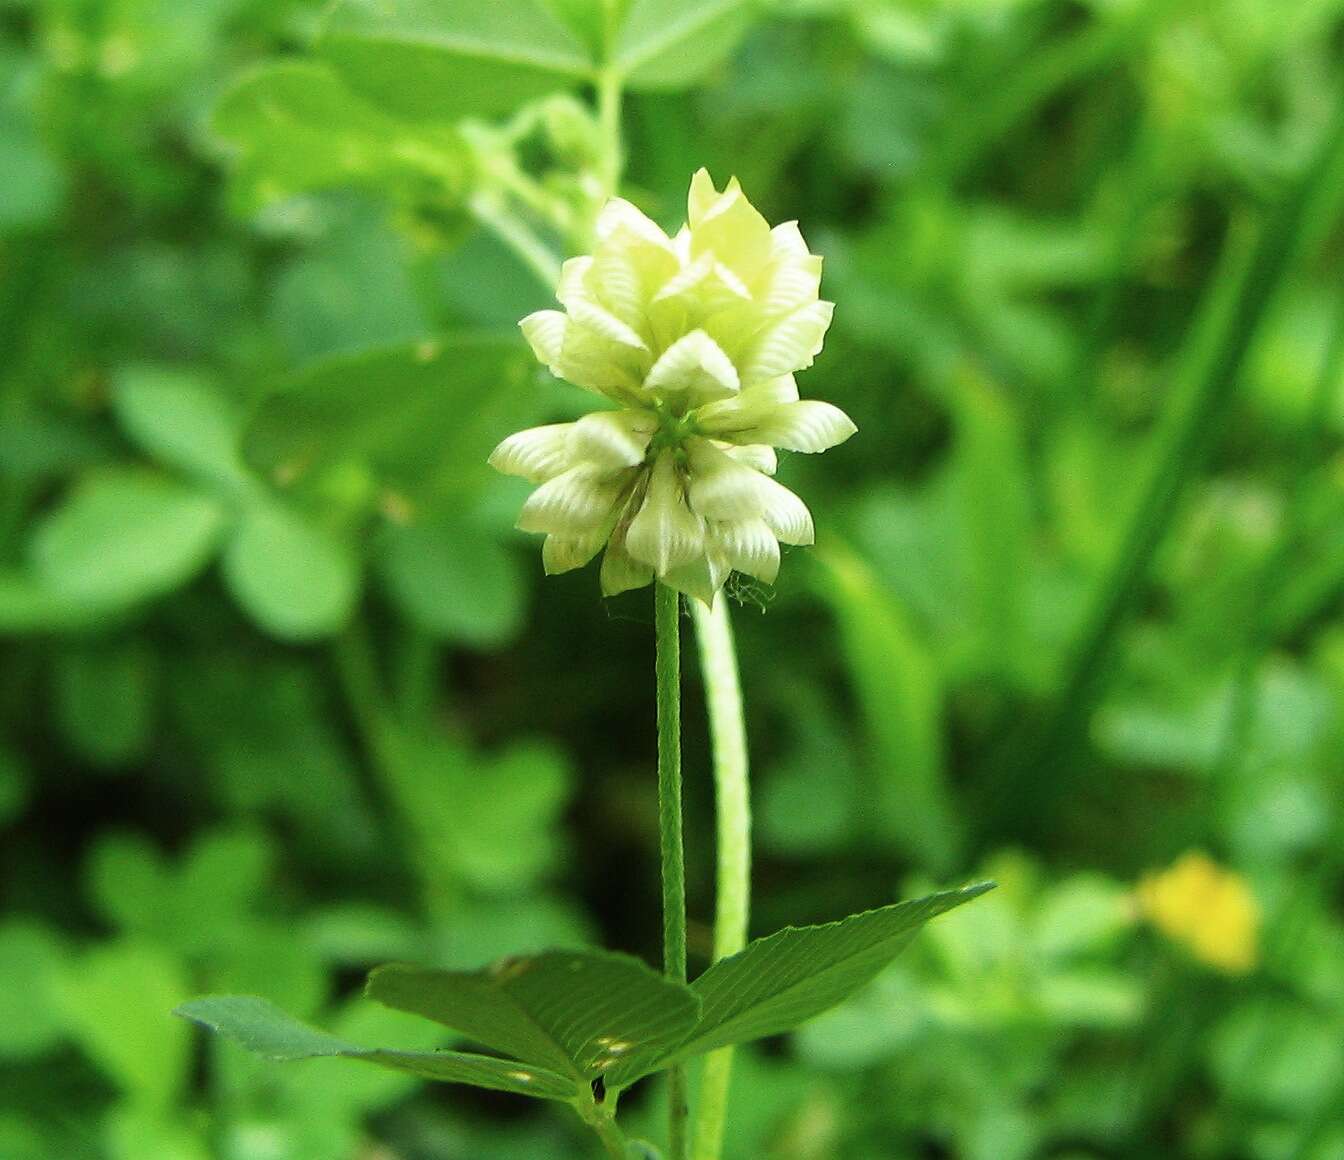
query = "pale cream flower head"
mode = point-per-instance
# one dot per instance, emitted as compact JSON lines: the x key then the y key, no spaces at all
{"x":695,"y":339}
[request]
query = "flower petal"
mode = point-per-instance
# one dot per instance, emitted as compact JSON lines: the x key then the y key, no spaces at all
{"x":789,"y":345}
{"x":665,"y":533}
{"x":720,"y":487}
{"x":612,"y":439}
{"x":785,"y":514}
{"x":733,"y":230}
{"x":701,"y":578}
{"x":696,"y":364}
{"x":809,"y":426}
{"x":545,"y":333}
{"x":789,"y":285}
{"x":575,"y":504}
{"x":620,"y":215}
{"x":620,"y":573}
{"x":757,"y":455}
{"x":560,"y":554}
{"x":537,"y":454}
{"x":747,"y":546}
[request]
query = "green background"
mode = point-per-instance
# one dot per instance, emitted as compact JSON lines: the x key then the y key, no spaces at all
{"x":283,"y":695}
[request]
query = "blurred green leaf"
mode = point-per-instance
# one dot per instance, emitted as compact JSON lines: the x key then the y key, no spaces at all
{"x":453,"y":582}
{"x":432,"y":409}
{"x":672,"y":43}
{"x":783,"y":980}
{"x":993,"y":492}
{"x":899,"y":692}
{"x":105,"y":699}
{"x":31,"y":955}
{"x":452,"y":58}
{"x":264,"y":1029}
{"x":177,"y":418}
{"x":114,"y":1000}
{"x":582,"y":1014}
{"x":297,"y":581}
{"x":13,"y":786}
{"x":126,"y":537}
{"x":296,"y":127}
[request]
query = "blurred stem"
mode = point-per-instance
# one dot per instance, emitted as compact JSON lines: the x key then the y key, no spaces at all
{"x":609,"y":123}
{"x":727,"y":727}
{"x":1183,"y":445}
{"x":535,"y":254}
{"x":417,"y":660}
{"x":1259,"y":635}
{"x":667,"y":669}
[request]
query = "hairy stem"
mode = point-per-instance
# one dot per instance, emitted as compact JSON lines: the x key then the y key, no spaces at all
{"x":667,"y":666}
{"x":728,"y":731}
{"x":613,"y":1139}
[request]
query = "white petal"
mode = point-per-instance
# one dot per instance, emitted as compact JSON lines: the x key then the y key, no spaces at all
{"x":620,"y":573}
{"x":701,"y":578}
{"x":694,"y":363}
{"x":575,"y":504}
{"x":810,"y":426}
{"x":579,"y":296}
{"x":589,"y":360}
{"x":545,"y":333}
{"x":757,"y":455}
{"x":786,"y":241}
{"x":687,"y":279}
{"x":790,"y":285}
{"x":559,"y":554}
{"x":748,"y":546}
{"x":785,"y":514}
{"x":789,"y":345}
{"x":620,"y":215}
{"x":665,"y":533}
{"x":720,"y":487}
{"x":612,"y":439}
{"x":537,"y":454}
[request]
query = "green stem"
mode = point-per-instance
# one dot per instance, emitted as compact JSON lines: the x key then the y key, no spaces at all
{"x":514,"y":233}
{"x":667,"y":667}
{"x":613,"y":1139}
{"x":727,"y":728}
{"x":609,"y":122}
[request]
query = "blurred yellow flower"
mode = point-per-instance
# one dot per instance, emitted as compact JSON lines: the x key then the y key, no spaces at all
{"x":1208,"y":909}
{"x":695,"y":338}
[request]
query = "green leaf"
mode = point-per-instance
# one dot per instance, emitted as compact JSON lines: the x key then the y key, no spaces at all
{"x":13,"y":786}
{"x":30,"y":956}
{"x":667,"y":44}
{"x":993,"y":492}
{"x":779,"y":982}
{"x":579,"y":1013}
{"x":125,"y":537}
{"x":296,"y":127}
{"x":27,"y":606}
{"x":181,"y":421}
{"x":293,"y":578}
{"x":452,"y":58}
{"x":264,"y":1029}
{"x":407,"y":411}
{"x":105,"y":698}
{"x":114,"y":1000}
{"x":453,"y":582}
{"x":899,"y":690}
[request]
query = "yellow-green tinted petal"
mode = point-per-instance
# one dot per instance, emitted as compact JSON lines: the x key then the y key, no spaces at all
{"x":620,"y":573}
{"x":665,"y":533}
{"x":809,"y":426}
{"x":747,"y":546}
{"x":694,"y":364}
{"x":537,"y":454}
{"x":790,"y":344}
{"x":573,"y":505}
{"x":612,"y":439}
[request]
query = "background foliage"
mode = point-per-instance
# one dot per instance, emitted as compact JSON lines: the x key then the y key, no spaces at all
{"x":285,"y":696}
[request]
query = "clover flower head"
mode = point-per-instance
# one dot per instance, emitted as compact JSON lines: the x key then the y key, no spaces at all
{"x":695,"y":340}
